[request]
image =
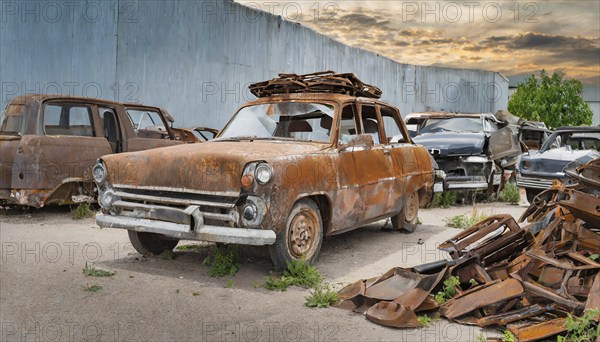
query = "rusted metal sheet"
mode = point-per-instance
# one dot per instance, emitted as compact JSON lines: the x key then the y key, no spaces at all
{"x":49,"y":144}
{"x":526,"y":279}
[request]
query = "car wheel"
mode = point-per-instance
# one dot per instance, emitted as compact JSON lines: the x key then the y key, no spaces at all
{"x":150,"y":243}
{"x":301,"y":237}
{"x":406,"y":220}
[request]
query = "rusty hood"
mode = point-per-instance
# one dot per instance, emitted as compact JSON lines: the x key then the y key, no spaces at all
{"x":214,"y":166}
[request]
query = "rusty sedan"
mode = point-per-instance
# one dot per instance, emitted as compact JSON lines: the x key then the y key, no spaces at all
{"x":287,"y":170}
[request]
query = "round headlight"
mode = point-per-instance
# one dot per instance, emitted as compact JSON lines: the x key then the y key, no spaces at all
{"x":526,"y":164}
{"x":99,"y":173}
{"x":107,"y":198}
{"x":263,"y":173}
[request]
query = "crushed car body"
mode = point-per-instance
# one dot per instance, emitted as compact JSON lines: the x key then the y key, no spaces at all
{"x":310,"y":158}
{"x":538,"y":168}
{"x":472,"y":149}
{"x":49,"y":144}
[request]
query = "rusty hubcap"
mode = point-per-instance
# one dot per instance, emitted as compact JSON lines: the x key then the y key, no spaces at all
{"x":303,"y":233}
{"x":411,"y":207}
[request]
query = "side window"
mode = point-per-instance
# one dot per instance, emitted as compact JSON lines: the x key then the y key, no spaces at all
{"x":68,"y":119}
{"x":393,"y":129}
{"x":147,"y":123}
{"x":347,"y":124}
{"x":370,"y":123}
{"x":108,"y":116}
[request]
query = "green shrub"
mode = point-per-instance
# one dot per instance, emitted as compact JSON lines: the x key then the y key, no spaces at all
{"x":298,"y":273}
{"x":443,"y":199}
{"x":322,"y":297}
{"x":224,"y":262}
{"x":466,"y":220}
{"x":583,"y":328}
{"x":510,"y":194}
{"x":448,"y":291}
{"x":507,"y":336}
{"x":82,"y":211}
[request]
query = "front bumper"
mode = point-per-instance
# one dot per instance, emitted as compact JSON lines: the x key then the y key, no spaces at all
{"x":242,"y":236}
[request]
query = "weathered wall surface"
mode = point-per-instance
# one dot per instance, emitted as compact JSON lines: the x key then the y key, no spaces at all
{"x":196,"y":58}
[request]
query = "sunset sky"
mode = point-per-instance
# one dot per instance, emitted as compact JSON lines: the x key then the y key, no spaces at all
{"x":508,"y":37}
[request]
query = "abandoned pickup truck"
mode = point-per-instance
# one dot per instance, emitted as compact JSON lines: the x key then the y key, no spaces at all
{"x":310,"y":158}
{"x":49,"y":144}
{"x":472,"y":149}
{"x":537,"y":169}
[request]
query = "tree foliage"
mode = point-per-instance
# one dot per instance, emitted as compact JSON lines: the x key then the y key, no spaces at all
{"x":551,"y":99}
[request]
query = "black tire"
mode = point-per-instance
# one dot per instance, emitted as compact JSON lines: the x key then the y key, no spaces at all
{"x":301,"y":238}
{"x":150,"y":243}
{"x":406,"y":220}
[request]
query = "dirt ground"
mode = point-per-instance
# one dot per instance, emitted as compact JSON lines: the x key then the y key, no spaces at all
{"x":42,"y":293}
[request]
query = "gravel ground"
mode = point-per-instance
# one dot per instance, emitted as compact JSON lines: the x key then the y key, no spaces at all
{"x":42,"y":294}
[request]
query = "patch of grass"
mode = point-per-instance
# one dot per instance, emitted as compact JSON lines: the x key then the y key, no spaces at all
{"x":94,"y":272}
{"x":466,"y":220}
{"x":229,"y":284}
{"x":188,"y":247}
{"x":419,"y":220}
{"x":481,"y":338}
{"x":424,"y":320}
{"x":224,"y":262}
{"x":448,"y":291}
{"x":195,"y":293}
{"x":256,"y":284}
{"x":322,"y":297}
{"x":583,"y":328}
{"x":507,"y":336}
{"x":298,"y":273}
{"x":92,"y":288}
{"x":82,"y":211}
{"x":510,"y":194}
{"x":443,"y":199}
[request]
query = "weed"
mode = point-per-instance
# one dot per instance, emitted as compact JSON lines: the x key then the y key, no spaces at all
{"x":225,"y":262}
{"x":594,"y":257}
{"x":167,"y":254}
{"x":419,"y":220}
{"x":424,"y":320}
{"x":322,"y":297}
{"x":177,"y":291}
{"x":94,"y":272}
{"x":298,"y":273}
{"x":188,"y":247}
{"x":92,"y":288}
{"x":195,"y":293}
{"x":507,"y":336}
{"x":448,"y":291}
{"x":480,"y":338}
{"x":443,"y":199}
{"x":583,"y":328}
{"x":256,"y":284}
{"x":473,"y":282}
{"x":510,"y":194}
{"x":229,"y":284}
{"x":82,"y":211}
{"x":466,"y":220}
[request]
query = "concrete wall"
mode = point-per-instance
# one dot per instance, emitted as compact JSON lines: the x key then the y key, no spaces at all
{"x":196,"y":58}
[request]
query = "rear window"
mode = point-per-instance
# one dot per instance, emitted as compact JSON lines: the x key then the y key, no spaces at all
{"x":12,"y":119}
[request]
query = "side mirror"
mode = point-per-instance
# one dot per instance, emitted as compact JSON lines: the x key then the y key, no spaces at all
{"x":361,"y":140}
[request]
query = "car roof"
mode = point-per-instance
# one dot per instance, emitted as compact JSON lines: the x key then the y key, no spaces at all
{"x":578,"y":129}
{"x":44,"y":97}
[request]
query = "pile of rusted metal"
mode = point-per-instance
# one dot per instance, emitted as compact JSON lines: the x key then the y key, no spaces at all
{"x":526,"y":279}
{"x":318,"y":82}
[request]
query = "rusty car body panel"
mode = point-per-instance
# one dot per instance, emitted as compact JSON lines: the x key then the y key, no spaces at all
{"x":49,"y":144}
{"x":352,"y":182}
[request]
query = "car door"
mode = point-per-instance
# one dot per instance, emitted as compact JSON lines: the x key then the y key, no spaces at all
{"x":150,"y":129}
{"x":404,"y":158}
{"x":363,"y":172}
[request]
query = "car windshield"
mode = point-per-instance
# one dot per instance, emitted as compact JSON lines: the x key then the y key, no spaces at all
{"x":301,"y":121}
{"x":12,"y":120}
{"x":452,"y":125}
{"x":576,"y":141}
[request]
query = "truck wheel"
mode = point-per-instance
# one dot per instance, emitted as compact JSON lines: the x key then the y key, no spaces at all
{"x":301,"y":238}
{"x":406,"y":220}
{"x":150,"y":243}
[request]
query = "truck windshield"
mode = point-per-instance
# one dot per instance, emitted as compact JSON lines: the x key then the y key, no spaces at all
{"x":453,"y":125}
{"x":11,"y":122}
{"x":301,"y":121}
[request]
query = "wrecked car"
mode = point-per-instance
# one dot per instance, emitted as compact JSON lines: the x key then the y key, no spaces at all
{"x":537,"y":169}
{"x":472,"y":149}
{"x":312,"y":157}
{"x":49,"y":144}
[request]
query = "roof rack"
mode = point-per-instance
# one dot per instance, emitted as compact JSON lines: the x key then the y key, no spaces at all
{"x":318,"y":82}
